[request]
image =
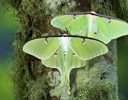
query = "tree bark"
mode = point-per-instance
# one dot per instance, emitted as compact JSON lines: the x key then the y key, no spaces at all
{"x":33,"y":81}
{"x":122,"y":9}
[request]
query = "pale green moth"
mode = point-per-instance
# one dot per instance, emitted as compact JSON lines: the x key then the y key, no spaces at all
{"x":91,"y":24}
{"x":65,"y":52}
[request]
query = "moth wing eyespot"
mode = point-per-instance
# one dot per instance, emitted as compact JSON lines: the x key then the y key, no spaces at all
{"x":73,"y":54}
{"x":55,"y":54}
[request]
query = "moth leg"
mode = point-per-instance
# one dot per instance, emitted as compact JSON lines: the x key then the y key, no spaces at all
{"x":109,"y":21}
{"x":46,"y":41}
{"x":67,"y":32}
{"x":60,"y":32}
{"x":74,"y":17}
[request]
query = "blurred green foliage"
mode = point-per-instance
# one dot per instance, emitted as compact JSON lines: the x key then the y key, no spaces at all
{"x":8,"y":18}
{"x":122,"y":53}
{"x":6,"y":85}
{"x":8,"y":25}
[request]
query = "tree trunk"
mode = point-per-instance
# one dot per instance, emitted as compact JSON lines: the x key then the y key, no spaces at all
{"x":33,"y":81}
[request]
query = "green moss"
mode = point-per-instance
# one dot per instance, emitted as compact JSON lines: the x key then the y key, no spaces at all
{"x":29,"y":74}
{"x":35,"y":89}
{"x":64,"y":9}
{"x":104,"y":90}
{"x":105,"y":7}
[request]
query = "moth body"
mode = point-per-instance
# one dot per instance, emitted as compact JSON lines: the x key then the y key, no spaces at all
{"x":91,"y":21}
{"x":65,"y":43}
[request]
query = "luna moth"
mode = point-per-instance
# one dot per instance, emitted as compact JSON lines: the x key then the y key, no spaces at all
{"x":65,"y":52}
{"x":91,"y":24}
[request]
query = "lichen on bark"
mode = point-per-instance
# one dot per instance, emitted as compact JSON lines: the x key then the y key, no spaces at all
{"x":30,"y":76}
{"x":33,"y":81}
